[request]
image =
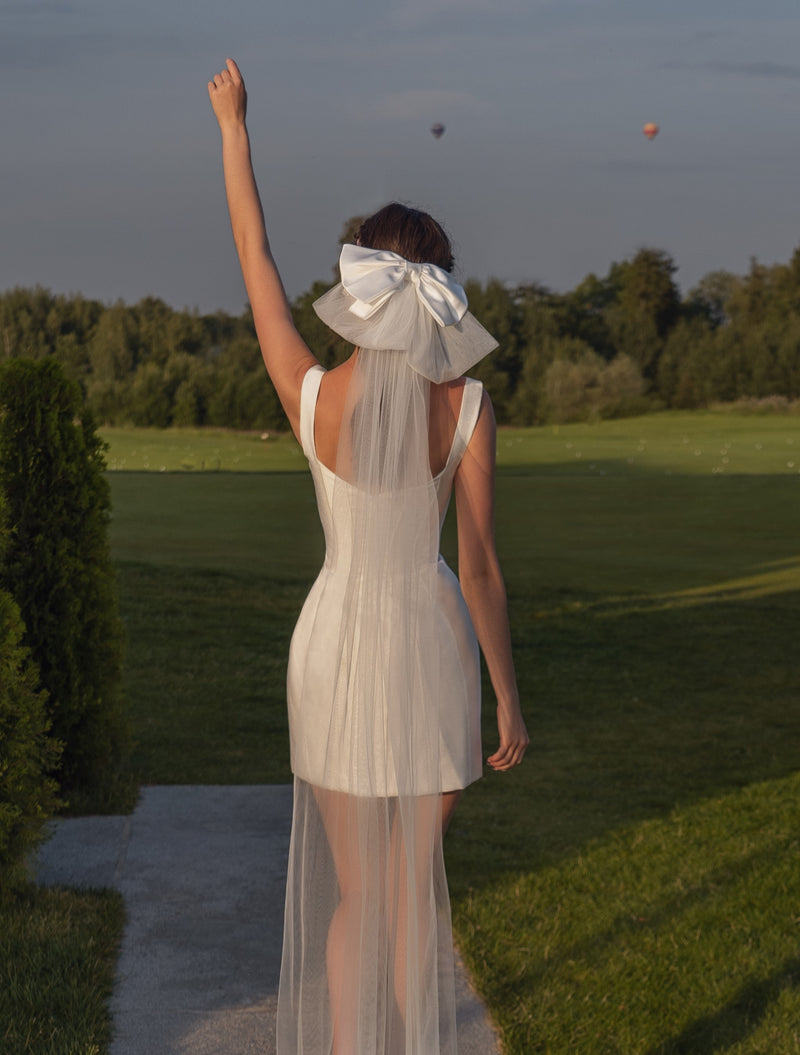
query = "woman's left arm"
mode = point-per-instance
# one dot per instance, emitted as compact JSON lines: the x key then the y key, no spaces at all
{"x":483,"y":586}
{"x":285,"y":353}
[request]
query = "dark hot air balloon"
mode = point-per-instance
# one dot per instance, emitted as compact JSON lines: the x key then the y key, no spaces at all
{"x":650,"y":130}
{"x":437,"y":130}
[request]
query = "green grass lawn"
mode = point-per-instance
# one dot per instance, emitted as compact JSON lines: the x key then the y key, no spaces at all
{"x":631,"y":889}
{"x":57,"y":954}
{"x":676,"y":935}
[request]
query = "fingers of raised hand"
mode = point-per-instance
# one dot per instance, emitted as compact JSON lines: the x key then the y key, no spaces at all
{"x":230,"y":75}
{"x":233,"y":70}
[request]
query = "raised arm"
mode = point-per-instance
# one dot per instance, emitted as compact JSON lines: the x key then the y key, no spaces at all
{"x":286,"y":355}
{"x":483,"y":586}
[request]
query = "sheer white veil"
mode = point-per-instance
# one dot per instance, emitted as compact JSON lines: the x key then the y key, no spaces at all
{"x":411,"y":326}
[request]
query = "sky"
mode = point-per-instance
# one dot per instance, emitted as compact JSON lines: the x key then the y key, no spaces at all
{"x":110,"y":168}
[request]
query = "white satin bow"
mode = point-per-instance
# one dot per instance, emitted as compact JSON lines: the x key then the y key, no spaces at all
{"x":371,"y":276}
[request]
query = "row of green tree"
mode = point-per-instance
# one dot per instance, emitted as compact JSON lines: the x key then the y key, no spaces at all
{"x":612,"y":346}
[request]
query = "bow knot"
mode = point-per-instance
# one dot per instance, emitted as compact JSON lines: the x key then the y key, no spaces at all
{"x":371,"y":276}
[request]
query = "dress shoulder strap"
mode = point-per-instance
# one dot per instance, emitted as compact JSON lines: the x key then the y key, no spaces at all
{"x":308,"y":404}
{"x":471,"y":399}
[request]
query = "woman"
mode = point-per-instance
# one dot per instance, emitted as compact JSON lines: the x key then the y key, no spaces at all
{"x":383,"y":680}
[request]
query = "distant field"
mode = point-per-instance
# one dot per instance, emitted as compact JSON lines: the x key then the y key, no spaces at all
{"x":699,"y":443}
{"x":200,"y":450}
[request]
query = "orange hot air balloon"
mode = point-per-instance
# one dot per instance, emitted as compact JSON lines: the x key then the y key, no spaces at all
{"x":650,"y":130}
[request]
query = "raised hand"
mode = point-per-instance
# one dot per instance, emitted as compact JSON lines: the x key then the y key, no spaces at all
{"x":228,"y":95}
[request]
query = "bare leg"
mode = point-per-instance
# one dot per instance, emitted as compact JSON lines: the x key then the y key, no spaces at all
{"x":450,"y":800}
{"x":415,"y":846}
{"x":341,"y":816}
{"x":428,"y":812}
{"x":410,"y":908}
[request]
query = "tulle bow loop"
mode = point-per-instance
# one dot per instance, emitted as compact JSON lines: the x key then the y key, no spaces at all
{"x":371,"y":276}
{"x":390,"y":304}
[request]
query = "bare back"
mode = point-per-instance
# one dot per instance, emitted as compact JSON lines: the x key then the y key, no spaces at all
{"x":445,"y":405}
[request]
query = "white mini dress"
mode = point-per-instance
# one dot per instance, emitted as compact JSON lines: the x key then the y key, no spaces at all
{"x":315,"y":714}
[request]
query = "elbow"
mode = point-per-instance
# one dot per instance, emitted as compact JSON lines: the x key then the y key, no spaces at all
{"x":473,"y":576}
{"x":250,"y":245}
{"x":482,"y":578}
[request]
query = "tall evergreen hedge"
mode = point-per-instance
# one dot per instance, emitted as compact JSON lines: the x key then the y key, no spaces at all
{"x":57,"y":564}
{"x":27,"y":754}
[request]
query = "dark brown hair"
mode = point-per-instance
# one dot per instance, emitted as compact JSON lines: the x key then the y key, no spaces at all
{"x":413,"y":234}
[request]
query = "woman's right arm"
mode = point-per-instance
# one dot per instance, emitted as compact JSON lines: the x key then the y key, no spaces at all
{"x":285,"y":353}
{"x":482,"y":583}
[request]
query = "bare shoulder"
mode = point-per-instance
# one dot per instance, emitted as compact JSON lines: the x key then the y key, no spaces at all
{"x":458,"y":390}
{"x":455,"y":392}
{"x":484,"y":437}
{"x":446,"y":397}
{"x":330,"y":409}
{"x":335,"y":382}
{"x":474,"y":489}
{"x":477,"y":464}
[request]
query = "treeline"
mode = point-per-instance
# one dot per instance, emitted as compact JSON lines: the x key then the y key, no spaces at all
{"x":613,"y":346}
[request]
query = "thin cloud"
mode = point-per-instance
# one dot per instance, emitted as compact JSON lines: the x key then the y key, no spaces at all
{"x":423,"y":9}
{"x":24,"y":9}
{"x":773,"y":70}
{"x":418,"y":10}
{"x":420,"y":104}
{"x":455,"y":18}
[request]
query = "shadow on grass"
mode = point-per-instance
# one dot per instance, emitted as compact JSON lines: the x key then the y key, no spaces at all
{"x":768,"y":579}
{"x":620,"y":535}
{"x":647,"y":713}
{"x":737,"y":1020}
{"x":205,"y":673}
{"x":642,"y":931}
{"x":633,"y":711}
{"x":645,"y":912}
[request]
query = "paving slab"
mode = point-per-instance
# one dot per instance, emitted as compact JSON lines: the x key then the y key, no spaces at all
{"x":202,"y":871}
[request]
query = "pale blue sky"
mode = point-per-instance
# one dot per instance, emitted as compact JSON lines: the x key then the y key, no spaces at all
{"x":110,"y":177}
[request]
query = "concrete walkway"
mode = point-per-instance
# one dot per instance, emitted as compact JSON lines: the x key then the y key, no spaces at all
{"x":202,"y":872}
